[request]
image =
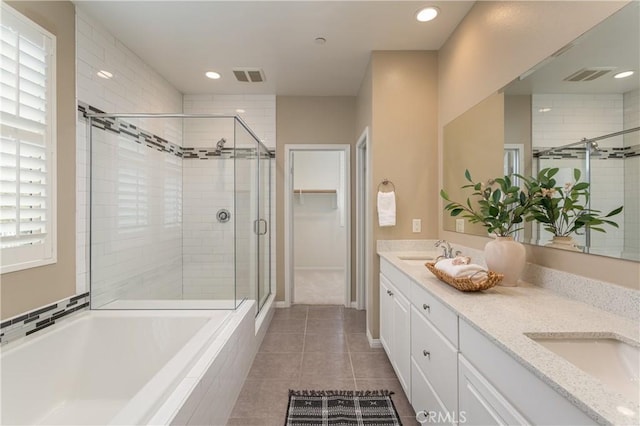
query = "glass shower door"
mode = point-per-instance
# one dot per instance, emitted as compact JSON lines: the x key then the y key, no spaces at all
{"x":263,"y":230}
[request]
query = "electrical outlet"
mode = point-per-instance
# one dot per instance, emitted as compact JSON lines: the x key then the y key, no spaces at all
{"x":459,"y":225}
{"x":417,"y":225}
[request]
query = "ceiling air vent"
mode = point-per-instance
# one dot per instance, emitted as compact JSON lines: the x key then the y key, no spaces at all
{"x":249,"y":75}
{"x":589,"y":74}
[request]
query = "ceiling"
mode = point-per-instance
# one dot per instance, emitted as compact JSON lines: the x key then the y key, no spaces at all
{"x":183,"y":39}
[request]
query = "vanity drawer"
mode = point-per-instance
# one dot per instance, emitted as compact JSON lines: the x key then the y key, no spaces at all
{"x":436,"y":357}
{"x":424,"y":400}
{"x":445,"y":320}
{"x":397,"y":278}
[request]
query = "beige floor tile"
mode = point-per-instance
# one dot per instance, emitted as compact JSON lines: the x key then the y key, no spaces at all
{"x":282,"y":342}
{"x":319,"y":364}
{"x":326,"y":312}
{"x":291,"y":325}
{"x":263,"y":399}
{"x":409,"y":421}
{"x":358,"y":342}
{"x":372,"y":365}
{"x":326,"y":383}
{"x":355,"y":325}
{"x":325,"y":326}
{"x":282,"y":366}
{"x":257,"y":421}
{"x":297,"y":312}
{"x":325,"y":343}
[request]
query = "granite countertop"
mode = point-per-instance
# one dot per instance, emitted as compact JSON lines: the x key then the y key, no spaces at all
{"x":505,"y":314}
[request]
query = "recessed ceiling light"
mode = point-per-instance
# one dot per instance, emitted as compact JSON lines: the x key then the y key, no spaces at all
{"x":320,"y":40}
{"x":427,"y":14}
{"x":623,"y":74}
{"x":212,"y":75}
{"x":240,"y":111}
{"x":545,"y":109}
{"x":104,"y":74}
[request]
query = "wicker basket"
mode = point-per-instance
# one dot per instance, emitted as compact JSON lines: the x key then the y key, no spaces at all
{"x":466,"y":284}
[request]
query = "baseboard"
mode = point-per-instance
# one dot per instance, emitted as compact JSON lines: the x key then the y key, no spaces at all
{"x":282,"y":304}
{"x":354,"y":305}
{"x":374,"y":343}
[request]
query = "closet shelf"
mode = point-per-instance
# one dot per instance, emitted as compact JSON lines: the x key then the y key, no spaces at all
{"x":314,"y":191}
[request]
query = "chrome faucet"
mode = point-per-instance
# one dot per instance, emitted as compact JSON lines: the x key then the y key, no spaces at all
{"x":447,"y":250}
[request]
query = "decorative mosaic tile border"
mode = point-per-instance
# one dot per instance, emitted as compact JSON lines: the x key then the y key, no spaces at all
{"x":152,"y":141}
{"x":579,"y":153}
{"x":38,"y":319}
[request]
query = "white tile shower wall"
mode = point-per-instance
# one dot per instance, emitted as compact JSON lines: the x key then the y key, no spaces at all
{"x":259,"y":111}
{"x":136,"y":239}
{"x":259,"y":114}
{"x":134,"y":88}
{"x":632,"y":177}
{"x":571,"y":118}
{"x":207,"y":244}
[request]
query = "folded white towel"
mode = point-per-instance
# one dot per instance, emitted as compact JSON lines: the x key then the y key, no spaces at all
{"x":459,"y":271}
{"x":387,"y":208}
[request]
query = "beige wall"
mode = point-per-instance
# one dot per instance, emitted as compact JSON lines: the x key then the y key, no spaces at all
{"x":475,"y":142}
{"x":311,"y":120}
{"x":25,"y":290}
{"x":404,"y":101}
{"x":496,"y":42}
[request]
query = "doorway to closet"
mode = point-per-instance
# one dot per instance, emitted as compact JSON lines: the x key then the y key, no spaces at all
{"x":317,"y":224}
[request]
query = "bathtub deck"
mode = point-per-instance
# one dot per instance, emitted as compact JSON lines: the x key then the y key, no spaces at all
{"x":83,"y":412}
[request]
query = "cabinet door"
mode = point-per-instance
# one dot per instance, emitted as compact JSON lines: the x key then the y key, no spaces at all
{"x":480,"y":403}
{"x":402,"y":341}
{"x":386,"y":314}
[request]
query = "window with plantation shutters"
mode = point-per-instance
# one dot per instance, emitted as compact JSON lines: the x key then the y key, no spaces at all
{"x":27,"y":144}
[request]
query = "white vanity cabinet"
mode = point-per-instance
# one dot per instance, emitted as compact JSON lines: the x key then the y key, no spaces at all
{"x":495,"y":389}
{"x":395,"y":322}
{"x":434,"y":357}
{"x":454,"y":373}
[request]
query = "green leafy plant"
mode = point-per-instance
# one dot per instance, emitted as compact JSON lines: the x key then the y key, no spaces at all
{"x":500,"y":207}
{"x":562,"y":209}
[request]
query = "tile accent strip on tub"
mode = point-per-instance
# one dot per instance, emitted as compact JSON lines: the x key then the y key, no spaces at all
{"x":40,"y":318}
{"x":133,"y":133}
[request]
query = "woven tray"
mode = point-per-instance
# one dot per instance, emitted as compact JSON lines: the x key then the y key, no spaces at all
{"x":466,"y":284}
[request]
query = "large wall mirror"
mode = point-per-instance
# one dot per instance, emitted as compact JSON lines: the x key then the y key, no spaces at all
{"x":543,"y":118}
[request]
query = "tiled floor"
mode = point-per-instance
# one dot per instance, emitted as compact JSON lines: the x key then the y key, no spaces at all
{"x":314,"y":347}
{"x":319,"y":287}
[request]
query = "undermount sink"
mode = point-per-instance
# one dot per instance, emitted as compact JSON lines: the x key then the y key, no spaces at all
{"x":417,"y":258}
{"x":612,"y":361}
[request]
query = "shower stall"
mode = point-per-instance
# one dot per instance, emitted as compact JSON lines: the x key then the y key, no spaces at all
{"x":180,"y":210}
{"x":609,"y":163}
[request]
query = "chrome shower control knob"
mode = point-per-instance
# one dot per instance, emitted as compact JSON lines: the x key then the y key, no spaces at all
{"x":223,"y":215}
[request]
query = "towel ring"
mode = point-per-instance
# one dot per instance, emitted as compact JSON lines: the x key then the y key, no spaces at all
{"x":386,"y":182}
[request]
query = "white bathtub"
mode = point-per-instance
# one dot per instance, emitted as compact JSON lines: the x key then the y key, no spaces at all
{"x":123,"y":367}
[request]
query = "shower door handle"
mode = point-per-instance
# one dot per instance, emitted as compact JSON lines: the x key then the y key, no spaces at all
{"x":260,"y":227}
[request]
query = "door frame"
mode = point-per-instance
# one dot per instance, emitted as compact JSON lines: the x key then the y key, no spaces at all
{"x":288,"y":214}
{"x":363,"y":218}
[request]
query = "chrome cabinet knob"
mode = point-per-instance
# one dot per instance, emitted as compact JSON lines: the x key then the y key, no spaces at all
{"x":426,"y":307}
{"x":426,"y":353}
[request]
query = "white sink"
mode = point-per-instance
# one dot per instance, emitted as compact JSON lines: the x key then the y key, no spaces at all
{"x":612,"y":361}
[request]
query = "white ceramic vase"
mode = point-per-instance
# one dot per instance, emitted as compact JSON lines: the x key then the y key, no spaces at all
{"x":506,"y":256}
{"x":563,"y":243}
